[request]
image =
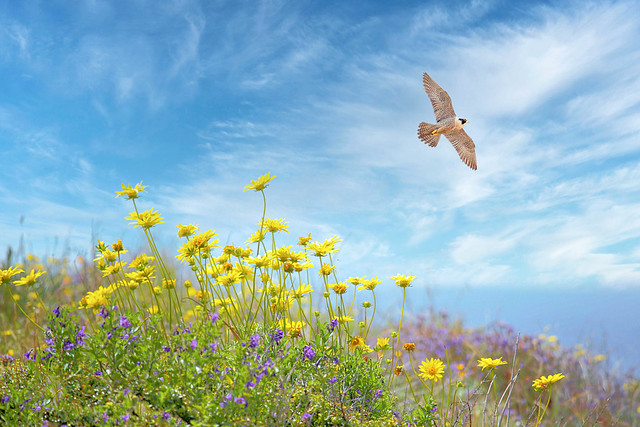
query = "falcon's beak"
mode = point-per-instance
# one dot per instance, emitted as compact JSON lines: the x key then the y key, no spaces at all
{"x":464,"y":121}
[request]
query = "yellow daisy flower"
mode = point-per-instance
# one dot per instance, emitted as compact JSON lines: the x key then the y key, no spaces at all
{"x":486,"y":362}
{"x":431,"y":369}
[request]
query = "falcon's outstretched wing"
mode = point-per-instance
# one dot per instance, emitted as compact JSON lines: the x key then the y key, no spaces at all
{"x":440,"y":99}
{"x":464,"y":146}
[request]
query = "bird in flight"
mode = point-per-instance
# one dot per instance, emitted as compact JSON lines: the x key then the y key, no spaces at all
{"x":447,"y":124}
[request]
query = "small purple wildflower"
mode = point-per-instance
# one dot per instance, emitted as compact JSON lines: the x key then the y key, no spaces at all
{"x":306,"y":417}
{"x":333,"y":380}
{"x":56,"y":311}
{"x":98,"y":373}
{"x":241,"y":400}
{"x":194,"y":344}
{"x":166,"y":415}
{"x":332,"y":325}
{"x":124,"y":322}
{"x":214,"y":317}
{"x":308,"y":352}
{"x":254,"y":341}
{"x":81,"y":335}
{"x":30,"y":355}
{"x":378,"y":393}
{"x":213,"y":347}
{"x":277,"y":336}
{"x":105,"y":417}
{"x":125,"y":418}
{"x":103,"y":312}
{"x":126,"y":391}
{"x":5,"y":399}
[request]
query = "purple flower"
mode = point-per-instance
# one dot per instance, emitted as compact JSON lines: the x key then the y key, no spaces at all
{"x":308,"y":352}
{"x":214,"y":317}
{"x":124,"y":322}
{"x":166,"y":349}
{"x":378,"y":393}
{"x":213,"y":346}
{"x":194,"y":344}
{"x":254,"y":341}
{"x":56,"y":311}
{"x":103,"y":312}
{"x":98,"y":373}
{"x":333,"y":380}
{"x":166,"y":415}
{"x":306,"y":416}
{"x":105,"y":417}
{"x":5,"y":399}
{"x":81,"y":335}
{"x":30,"y":355}
{"x":332,"y":325}
{"x":277,"y":336}
{"x":68,"y":345}
{"x":125,"y":417}
{"x":241,"y":400}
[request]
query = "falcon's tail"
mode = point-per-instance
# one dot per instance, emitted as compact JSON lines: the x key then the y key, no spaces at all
{"x":427,"y":133}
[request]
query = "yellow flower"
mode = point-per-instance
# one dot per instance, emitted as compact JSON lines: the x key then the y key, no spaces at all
{"x":146,"y":219}
{"x":302,"y":289}
{"x":29,"y":279}
{"x":302,"y":241}
{"x":355,"y":343}
{"x":342,"y":319}
{"x":96,"y":298}
{"x":153,"y":310}
{"x":326,"y":269}
{"x":260,"y":262}
{"x":486,"y":362}
{"x":431,"y":369}
{"x":113,"y":269}
{"x":5,"y":275}
{"x":260,"y":184}
{"x":168,"y":284}
{"x":274,"y":225}
{"x":141,"y":261}
{"x":370,"y":284}
{"x":186,"y":230}
{"x":228,"y":279}
{"x":355,"y":280}
{"x":543,"y":383}
{"x":403,"y":281}
{"x":599,"y":358}
{"x":409,"y":346}
{"x":324,"y":248}
{"x":118,"y":247}
{"x":258,"y":236}
{"x":131,"y":193}
{"x":283,"y":254}
{"x":381,"y":345}
{"x":339,"y":288}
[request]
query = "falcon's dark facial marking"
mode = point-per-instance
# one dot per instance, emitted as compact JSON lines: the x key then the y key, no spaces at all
{"x":463,"y":121}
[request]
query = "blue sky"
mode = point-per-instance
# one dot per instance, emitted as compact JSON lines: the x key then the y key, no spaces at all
{"x":197,"y":98}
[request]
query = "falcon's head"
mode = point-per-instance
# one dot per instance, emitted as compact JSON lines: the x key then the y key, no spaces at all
{"x":463,"y":121}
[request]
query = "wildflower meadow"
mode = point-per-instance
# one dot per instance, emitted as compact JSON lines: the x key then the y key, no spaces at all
{"x":270,"y":333}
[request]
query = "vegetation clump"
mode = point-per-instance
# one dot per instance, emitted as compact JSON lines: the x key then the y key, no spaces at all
{"x":265,"y":335}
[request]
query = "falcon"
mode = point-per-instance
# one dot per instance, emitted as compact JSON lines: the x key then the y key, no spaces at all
{"x":447,"y":124}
